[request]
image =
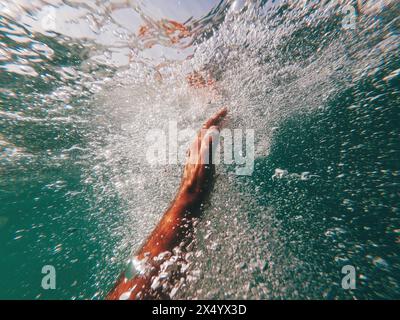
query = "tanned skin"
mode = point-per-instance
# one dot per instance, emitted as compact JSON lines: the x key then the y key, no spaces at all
{"x":176,"y":223}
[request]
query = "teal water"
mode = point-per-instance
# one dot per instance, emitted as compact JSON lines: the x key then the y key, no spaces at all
{"x":323,"y":101}
{"x":353,"y":196}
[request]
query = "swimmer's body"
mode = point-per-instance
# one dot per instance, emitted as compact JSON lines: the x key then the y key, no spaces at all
{"x":175,"y":225}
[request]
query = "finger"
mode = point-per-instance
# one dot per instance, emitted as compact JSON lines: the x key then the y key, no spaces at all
{"x":194,"y":150}
{"x":216,"y":118}
{"x":208,"y":145}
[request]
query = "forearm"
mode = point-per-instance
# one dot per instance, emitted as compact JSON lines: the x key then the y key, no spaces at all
{"x":175,"y":223}
{"x":172,"y":228}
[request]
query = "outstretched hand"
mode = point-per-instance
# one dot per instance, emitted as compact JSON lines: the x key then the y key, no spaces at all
{"x":199,"y":163}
